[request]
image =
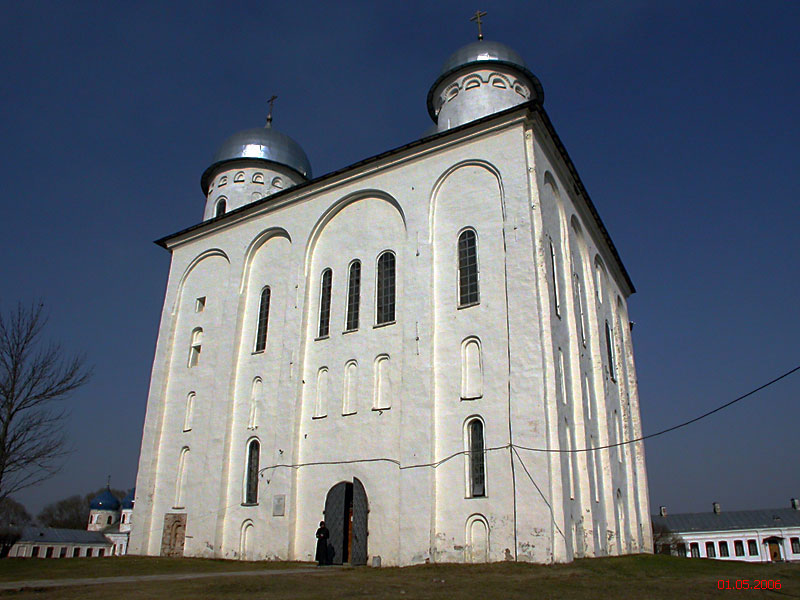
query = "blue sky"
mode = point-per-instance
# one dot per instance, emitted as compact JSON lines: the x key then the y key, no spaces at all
{"x":681,"y":118}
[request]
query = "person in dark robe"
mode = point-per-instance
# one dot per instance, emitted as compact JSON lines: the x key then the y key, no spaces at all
{"x":322,"y":544}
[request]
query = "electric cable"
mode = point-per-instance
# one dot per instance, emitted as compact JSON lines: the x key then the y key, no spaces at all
{"x":674,"y":427}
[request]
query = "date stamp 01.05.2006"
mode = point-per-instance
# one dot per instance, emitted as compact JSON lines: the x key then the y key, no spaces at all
{"x":748,"y":584}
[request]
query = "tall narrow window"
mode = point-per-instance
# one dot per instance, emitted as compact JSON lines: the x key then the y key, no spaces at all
{"x":263,"y":320}
{"x":325,"y":303}
{"x":382,"y":392}
{"x":562,"y":376}
{"x":187,"y":417}
{"x":350,"y":388}
{"x":255,"y":397}
{"x":353,"y":295}
{"x":471,"y":370}
{"x":569,"y":456}
{"x":386,"y":288}
{"x":220,"y":209}
{"x":477,"y":467}
{"x":595,"y":468}
{"x":321,"y":402}
{"x":197,"y":345}
{"x":468,"y":292}
{"x":251,"y":482}
{"x":612,"y":362}
{"x":180,"y":480}
{"x":711,"y":552}
{"x":556,"y":291}
{"x":587,"y":393}
{"x":581,"y":315}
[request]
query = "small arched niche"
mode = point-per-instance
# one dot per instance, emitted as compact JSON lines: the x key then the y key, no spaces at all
{"x":382,"y":393}
{"x":471,"y":369}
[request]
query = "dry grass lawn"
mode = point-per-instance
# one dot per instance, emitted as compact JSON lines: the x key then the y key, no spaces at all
{"x":643,"y":576}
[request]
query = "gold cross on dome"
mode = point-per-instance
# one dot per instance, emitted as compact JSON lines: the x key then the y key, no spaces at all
{"x":477,"y":18}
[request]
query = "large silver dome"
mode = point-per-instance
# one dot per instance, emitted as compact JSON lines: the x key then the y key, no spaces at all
{"x":260,"y":143}
{"x":479,"y":52}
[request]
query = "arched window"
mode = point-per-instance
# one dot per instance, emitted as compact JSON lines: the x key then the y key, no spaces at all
{"x":255,"y":396}
{"x":180,"y":480}
{"x":612,"y":360}
{"x":220,"y":209}
{"x":382,"y":392}
{"x":258,"y":178}
{"x":477,"y":466}
{"x":321,"y":402}
{"x":471,"y":370}
{"x":239,"y":177}
{"x":187,"y":417}
{"x":581,"y":314}
{"x":108,"y":520}
{"x":263,"y":319}
{"x":556,"y":291}
{"x":197,"y":345}
{"x":251,"y":476}
{"x":350,"y":388}
{"x":353,"y":295}
{"x":325,"y":303}
{"x":468,"y":292}
{"x":385,"y":300}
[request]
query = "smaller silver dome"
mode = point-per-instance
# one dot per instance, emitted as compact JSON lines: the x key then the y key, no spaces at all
{"x":260,"y":143}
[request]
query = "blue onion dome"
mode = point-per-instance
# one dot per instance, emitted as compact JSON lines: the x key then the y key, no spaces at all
{"x":127,"y":501}
{"x":105,"y":501}
{"x":259,"y":143}
{"x":484,"y":51}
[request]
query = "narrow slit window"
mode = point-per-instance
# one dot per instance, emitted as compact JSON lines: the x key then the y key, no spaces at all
{"x":196,"y":347}
{"x":180,"y":480}
{"x":325,"y":303}
{"x":187,"y":417}
{"x":353,"y":295}
{"x":468,"y":291}
{"x":263,"y":320}
{"x":612,"y":360}
{"x":220,"y":209}
{"x":556,"y":291}
{"x":477,"y":467}
{"x":251,"y":485}
{"x":385,"y":304}
{"x":581,"y":313}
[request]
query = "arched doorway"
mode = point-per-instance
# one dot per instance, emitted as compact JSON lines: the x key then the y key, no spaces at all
{"x":346,"y":512}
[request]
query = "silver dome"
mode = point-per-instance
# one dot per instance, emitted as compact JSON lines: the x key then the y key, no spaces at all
{"x":260,"y":143}
{"x":483,"y":51}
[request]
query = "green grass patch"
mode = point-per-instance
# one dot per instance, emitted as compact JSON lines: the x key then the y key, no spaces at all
{"x":18,"y":569}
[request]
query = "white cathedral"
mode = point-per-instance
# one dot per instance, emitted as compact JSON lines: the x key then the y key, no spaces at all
{"x":429,"y":350}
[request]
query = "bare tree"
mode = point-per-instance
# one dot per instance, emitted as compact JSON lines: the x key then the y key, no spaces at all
{"x":35,"y":376}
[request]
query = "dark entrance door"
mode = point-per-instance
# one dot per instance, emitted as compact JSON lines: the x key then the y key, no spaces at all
{"x":346,"y":518}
